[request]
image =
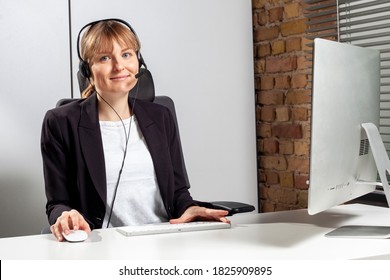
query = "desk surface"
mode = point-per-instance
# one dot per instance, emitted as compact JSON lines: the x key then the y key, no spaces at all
{"x":283,"y":235}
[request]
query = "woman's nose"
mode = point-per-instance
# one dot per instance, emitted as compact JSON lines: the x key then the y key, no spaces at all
{"x":118,"y":65}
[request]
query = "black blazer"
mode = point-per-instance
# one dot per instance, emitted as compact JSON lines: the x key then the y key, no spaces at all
{"x":73,"y":159}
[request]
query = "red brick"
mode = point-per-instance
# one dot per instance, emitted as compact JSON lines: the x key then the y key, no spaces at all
{"x":260,"y":66}
{"x":301,"y":148}
{"x":293,"y":27}
{"x":300,"y":114}
{"x":257,"y":83}
{"x":298,"y":97}
{"x":277,"y":65}
{"x":282,"y":114}
{"x":262,"y":18}
{"x":266,"y":33}
{"x":299,"y":81}
{"x":278,"y":47}
{"x":264,"y":130}
{"x":286,"y":179}
{"x":266,"y":82}
{"x":263,"y":50}
{"x":282,"y":82}
{"x":267,"y":114}
{"x":270,"y":98}
{"x":292,"y":10}
{"x":272,"y":178}
{"x":293,"y":44}
{"x":301,"y":181}
{"x":267,"y":206}
{"x":303,"y":63}
{"x":273,"y":162}
{"x":286,"y":147}
{"x":260,"y":146}
{"x":276,"y":14}
{"x":306,"y":130}
{"x":283,"y":195}
{"x":270,"y":146}
{"x":258,"y":4}
{"x":302,"y":199}
{"x":298,"y":164}
{"x":293,"y":131}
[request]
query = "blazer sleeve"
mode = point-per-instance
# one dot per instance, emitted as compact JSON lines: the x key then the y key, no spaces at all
{"x":55,"y":168}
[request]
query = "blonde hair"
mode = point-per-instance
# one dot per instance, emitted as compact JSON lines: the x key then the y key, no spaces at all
{"x":101,"y":37}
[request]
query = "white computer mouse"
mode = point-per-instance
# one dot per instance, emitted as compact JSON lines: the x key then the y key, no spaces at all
{"x":76,"y":236}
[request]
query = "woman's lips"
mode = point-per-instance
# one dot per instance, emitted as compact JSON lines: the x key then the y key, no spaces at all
{"x":118,"y":78}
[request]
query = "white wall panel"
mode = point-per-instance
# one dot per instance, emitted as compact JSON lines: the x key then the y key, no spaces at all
{"x":34,"y":74}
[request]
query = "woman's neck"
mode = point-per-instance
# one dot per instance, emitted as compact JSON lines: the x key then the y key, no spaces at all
{"x":113,"y":109}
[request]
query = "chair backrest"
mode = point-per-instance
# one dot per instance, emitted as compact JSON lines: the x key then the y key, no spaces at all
{"x":168,"y":102}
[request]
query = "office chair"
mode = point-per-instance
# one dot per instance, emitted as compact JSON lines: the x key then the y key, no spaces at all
{"x":147,"y":92}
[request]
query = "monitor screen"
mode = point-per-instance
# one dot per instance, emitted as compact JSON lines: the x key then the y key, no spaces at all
{"x":345,"y":94}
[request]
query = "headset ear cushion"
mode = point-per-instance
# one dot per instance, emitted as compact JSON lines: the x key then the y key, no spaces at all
{"x":84,"y":69}
{"x":141,"y":61}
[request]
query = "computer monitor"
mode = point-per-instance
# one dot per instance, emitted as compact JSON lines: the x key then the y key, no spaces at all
{"x":345,"y":143}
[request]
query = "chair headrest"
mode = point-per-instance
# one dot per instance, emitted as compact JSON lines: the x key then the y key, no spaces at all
{"x":145,"y":85}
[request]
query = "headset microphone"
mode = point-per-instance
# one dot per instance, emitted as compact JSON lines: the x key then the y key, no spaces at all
{"x":141,"y":72}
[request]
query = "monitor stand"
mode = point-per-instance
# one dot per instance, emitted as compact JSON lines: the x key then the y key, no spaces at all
{"x":361,"y":231}
{"x":383,"y":165}
{"x":380,"y":156}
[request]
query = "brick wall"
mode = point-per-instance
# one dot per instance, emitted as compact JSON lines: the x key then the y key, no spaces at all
{"x":283,"y":103}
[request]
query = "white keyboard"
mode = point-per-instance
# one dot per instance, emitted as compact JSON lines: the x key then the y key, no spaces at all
{"x":171,"y":228}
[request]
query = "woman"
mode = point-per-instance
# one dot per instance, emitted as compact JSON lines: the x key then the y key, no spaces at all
{"x":110,"y":160}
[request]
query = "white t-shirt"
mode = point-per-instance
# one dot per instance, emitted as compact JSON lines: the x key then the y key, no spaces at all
{"x":138,"y":199}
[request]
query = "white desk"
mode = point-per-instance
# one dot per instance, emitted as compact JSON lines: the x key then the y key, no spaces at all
{"x":287,"y":235}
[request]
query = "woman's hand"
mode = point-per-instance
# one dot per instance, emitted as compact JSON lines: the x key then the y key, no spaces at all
{"x":201,"y":213}
{"x":67,"y":221}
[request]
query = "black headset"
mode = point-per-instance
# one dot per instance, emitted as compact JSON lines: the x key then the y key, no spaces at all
{"x":83,"y":65}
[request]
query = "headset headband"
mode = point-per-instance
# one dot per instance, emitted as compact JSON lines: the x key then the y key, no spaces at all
{"x":83,"y":65}
{"x":102,"y":20}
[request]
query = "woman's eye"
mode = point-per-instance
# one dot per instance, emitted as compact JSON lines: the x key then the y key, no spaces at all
{"x":126,"y":54}
{"x":104,"y":58}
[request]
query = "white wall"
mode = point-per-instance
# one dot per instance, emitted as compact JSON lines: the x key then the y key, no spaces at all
{"x":200,"y":53}
{"x":34,"y":73}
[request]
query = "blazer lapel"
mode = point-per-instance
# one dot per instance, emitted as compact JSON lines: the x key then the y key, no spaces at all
{"x":92,"y":146}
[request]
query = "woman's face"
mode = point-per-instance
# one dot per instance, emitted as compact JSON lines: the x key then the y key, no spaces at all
{"x":113,"y":71}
